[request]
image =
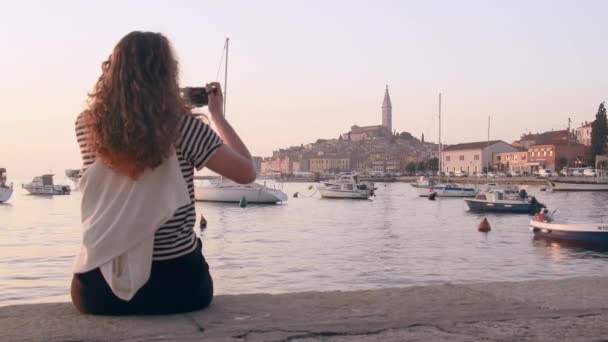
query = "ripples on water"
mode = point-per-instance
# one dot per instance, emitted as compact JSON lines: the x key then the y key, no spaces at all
{"x":397,"y":239}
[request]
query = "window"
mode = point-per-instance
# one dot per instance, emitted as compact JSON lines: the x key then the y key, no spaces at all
{"x":523,"y":157}
{"x":550,"y":153}
{"x":476,"y":157}
{"x":461,"y":158}
{"x":544,"y":153}
{"x":447,"y":158}
{"x":499,"y":158}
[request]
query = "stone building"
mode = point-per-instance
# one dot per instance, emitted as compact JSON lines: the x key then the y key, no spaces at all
{"x":556,"y":156}
{"x":583,"y":134}
{"x":472,"y":157}
{"x":511,"y":161}
{"x":324,"y":164}
{"x":365,"y":133}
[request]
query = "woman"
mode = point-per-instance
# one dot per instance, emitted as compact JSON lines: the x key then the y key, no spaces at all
{"x":140,"y":146}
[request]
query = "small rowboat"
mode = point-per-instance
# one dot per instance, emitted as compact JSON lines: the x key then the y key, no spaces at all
{"x":588,"y":233}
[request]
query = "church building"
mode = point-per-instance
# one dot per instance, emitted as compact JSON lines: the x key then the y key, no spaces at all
{"x":358,"y":133}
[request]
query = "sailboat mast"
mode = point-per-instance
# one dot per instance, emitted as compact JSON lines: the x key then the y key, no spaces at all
{"x":440,"y":158}
{"x":226,"y":76}
{"x":490,"y":159}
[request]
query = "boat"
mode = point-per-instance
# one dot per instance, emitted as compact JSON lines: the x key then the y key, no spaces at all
{"x":597,"y":183}
{"x":6,"y":191}
{"x":224,"y":190}
{"x":496,"y":201}
{"x":441,"y":189}
{"x":336,"y":181}
{"x":227,"y":191}
{"x":346,"y":186}
{"x":447,"y":190}
{"x":423,"y":182}
{"x":43,"y":185}
{"x":510,"y":191}
{"x":73,"y":175}
{"x":588,"y":233}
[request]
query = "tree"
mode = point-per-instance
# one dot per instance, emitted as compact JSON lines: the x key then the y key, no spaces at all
{"x":421,"y":166}
{"x":599,"y":131}
{"x":410,"y":167}
{"x":433,"y":164}
{"x":422,"y":139}
{"x":561,"y":163}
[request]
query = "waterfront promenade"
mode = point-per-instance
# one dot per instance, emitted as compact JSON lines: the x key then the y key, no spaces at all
{"x":574,"y":309}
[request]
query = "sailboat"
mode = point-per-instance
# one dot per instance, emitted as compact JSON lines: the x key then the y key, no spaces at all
{"x":444,"y":189}
{"x":225,"y":190}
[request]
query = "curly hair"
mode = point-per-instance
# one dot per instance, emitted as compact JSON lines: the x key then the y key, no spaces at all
{"x":134,"y":110}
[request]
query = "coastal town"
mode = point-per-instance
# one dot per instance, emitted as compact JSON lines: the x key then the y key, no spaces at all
{"x":381,"y":150}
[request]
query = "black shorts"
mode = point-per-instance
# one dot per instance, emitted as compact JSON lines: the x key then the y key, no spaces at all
{"x":177,"y":285}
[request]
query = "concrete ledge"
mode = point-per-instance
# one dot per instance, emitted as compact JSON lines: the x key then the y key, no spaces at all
{"x":571,"y":309}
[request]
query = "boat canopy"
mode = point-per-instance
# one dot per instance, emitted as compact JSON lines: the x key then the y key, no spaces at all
{"x":47,"y":179}
{"x":492,"y":196}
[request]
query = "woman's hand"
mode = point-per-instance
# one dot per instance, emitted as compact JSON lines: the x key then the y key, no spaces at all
{"x":216,"y":100}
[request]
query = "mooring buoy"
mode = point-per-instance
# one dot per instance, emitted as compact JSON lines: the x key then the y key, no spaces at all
{"x":203,"y":223}
{"x":484,"y":226}
{"x":243,"y":202}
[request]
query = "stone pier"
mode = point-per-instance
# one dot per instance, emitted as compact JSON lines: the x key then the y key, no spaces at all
{"x":573,"y":309}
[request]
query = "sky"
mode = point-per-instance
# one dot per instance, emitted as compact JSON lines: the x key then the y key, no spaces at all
{"x":303,"y":70}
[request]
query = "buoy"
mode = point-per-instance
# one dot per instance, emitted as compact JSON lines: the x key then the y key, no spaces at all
{"x":203,"y":223}
{"x":484,"y":226}
{"x":295,"y":195}
{"x":243,"y":202}
{"x":432,"y":196}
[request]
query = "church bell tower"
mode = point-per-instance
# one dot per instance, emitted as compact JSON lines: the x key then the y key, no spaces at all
{"x":387,"y":111}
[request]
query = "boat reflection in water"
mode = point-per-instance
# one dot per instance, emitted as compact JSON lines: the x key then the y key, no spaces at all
{"x":559,"y":248}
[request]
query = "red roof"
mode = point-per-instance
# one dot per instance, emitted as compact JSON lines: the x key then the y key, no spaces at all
{"x":472,"y":146}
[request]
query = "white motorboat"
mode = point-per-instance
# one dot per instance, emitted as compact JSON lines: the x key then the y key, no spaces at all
{"x":227,"y":191}
{"x":447,"y":190}
{"x":597,"y":183}
{"x":5,"y":190}
{"x":43,"y":185}
{"x":423,"y":182}
{"x":587,"y":233}
{"x":509,"y":191}
{"x":346,"y":186}
{"x":336,"y":181}
{"x":576,"y":186}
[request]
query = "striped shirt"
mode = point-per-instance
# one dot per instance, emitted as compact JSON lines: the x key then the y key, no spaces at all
{"x":195,"y":145}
